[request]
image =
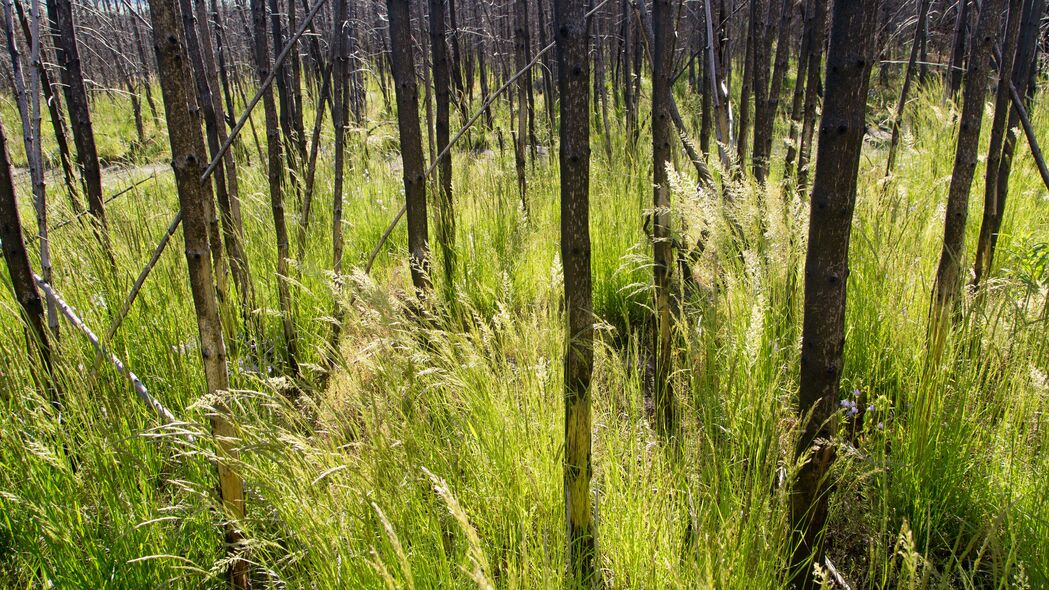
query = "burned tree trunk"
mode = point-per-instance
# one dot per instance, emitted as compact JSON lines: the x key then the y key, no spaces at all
{"x":403,"y":65}
{"x":13,"y":244}
{"x":813,"y":71}
{"x":275,"y":174}
{"x":764,"y":131}
{"x":445,"y":211}
{"x":64,"y":34}
{"x":188,"y":160}
{"x":573,"y":75}
{"x":961,"y":35}
{"x":523,"y":85}
{"x":997,"y":186}
{"x":947,"y":285}
{"x":662,"y":255}
{"x":908,"y":77}
{"x":338,"y":118}
{"x":849,"y":61}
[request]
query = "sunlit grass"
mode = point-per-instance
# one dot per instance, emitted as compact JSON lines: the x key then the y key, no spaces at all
{"x":433,"y":457}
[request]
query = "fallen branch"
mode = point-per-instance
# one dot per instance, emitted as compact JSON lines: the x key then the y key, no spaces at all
{"x":79,"y":324}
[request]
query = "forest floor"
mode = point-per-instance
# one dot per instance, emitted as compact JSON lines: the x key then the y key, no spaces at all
{"x":432,"y":456}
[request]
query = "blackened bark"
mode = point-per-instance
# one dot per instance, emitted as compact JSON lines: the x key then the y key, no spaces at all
{"x":573,"y":74}
{"x":63,"y":33}
{"x":947,"y":286}
{"x":445,"y":211}
{"x":955,"y":65}
{"x":814,"y":71}
{"x":849,"y":61}
{"x":403,"y":65}
{"x":21,"y":272}
{"x":908,"y":77}
{"x":662,"y":255}
{"x":275,"y":175}
{"x":338,"y":116}
{"x":1022,"y":77}
{"x":763,"y":133}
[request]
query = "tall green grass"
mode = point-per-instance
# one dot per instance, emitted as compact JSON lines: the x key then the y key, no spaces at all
{"x":432,"y":459}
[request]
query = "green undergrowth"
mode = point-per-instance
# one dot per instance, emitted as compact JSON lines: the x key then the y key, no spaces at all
{"x":432,"y":456}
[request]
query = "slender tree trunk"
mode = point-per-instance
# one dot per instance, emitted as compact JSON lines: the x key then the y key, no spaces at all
{"x":833,"y":200}
{"x":629,"y":99}
{"x":445,"y":211}
{"x":747,"y":90}
{"x":762,"y":122}
{"x":403,"y":65}
{"x":204,"y":99}
{"x":13,"y":244}
{"x":955,"y":65}
{"x":276,"y":184}
{"x":908,"y":76}
{"x":523,"y":84}
{"x":227,"y":186}
{"x":338,"y":117}
{"x":997,"y":184}
{"x":29,"y":111}
{"x":573,"y":74}
{"x":188,"y":159}
{"x":947,"y":285}
{"x":798,"y":104}
{"x":60,"y":13}
{"x":764,"y":133}
{"x":813,"y":72}
{"x":662,"y":57}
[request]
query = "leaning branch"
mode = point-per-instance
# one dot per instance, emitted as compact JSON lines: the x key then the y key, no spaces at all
{"x":79,"y":324}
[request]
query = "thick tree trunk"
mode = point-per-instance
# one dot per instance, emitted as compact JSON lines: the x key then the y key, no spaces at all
{"x":188,"y":159}
{"x":445,"y":211}
{"x":275,"y":176}
{"x":760,"y":82}
{"x":849,"y":61}
{"x":662,"y":57}
{"x":573,"y":75}
{"x":1022,"y":77}
{"x":403,"y":65}
{"x":947,"y":285}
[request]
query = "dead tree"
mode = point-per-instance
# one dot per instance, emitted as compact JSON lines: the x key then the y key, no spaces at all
{"x":833,"y":200}
{"x":573,"y":75}
{"x":908,"y":77}
{"x":29,"y":110}
{"x":275,"y":175}
{"x":338,"y":117}
{"x":947,"y":285}
{"x":996,"y":189}
{"x":188,"y":160}
{"x":441,"y":79}
{"x":403,"y":65}
{"x":64,"y":35}
{"x":813,"y":72}
{"x":662,"y":56}
{"x":13,"y":244}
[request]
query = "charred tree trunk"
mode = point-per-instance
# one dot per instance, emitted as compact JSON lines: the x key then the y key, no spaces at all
{"x":188,"y":160}
{"x":662,"y":57}
{"x":63,"y":33}
{"x":833,"y":200}
{"x":403,"y":65}
{"x":812,"y":87}
{"x":955,"y":65}
{"x":13,"y":244}
{"x":947,"y":285}
{"x":997,"y":184}
{"x":573,"y":75}
{"x":338,"y":117}
{"x":797,"y":108}
{"x":763,"y":133}
{"x":523,"y":86}
{"x":445,"y":211}
{"x":908,"y":77}
{"x":275,"y":175}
